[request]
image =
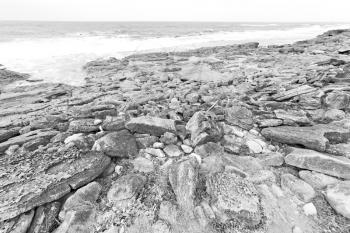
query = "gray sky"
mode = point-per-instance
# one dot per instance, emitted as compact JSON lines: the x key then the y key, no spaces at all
{"x":176,"y":10}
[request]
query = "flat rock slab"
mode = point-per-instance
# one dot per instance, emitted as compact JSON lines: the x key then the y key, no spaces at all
{"x":33,"y":179}
{"x":316,"y":137}
{"x":320,"y":162}
{"x":24,"y":138}
{"x":293,"y":92}
{"x":151,"y":125}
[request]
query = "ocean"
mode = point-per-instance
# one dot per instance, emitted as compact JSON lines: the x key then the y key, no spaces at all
{"x":56,"y":51}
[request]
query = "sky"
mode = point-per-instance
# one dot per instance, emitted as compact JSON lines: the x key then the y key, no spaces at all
{"x":177,"y":10}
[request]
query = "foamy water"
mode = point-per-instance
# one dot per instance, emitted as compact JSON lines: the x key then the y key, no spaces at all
{"x":60,"y":58}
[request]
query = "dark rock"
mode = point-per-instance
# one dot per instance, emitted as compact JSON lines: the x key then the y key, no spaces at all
{"x":33,"y":179}
{"x":151,"y":125}
{"x":7,"y":77}
{"x":117,"y":144}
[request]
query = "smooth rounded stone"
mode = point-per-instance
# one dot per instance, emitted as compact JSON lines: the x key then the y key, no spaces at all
{"x":203,"y":128}
{"x":319,"y":162}
{"x":83,"y":126}
{"x":301,"y":189}
{"x":173,"y":151}
{"x":117,"y":144}
{"x":235,"y":198}
{"x":337,"y":100}
{"x":155,"y":152}
{"x":310,"y":209}
{"x":45,"y":218}
{"x":254,"y":146}
{"x":48,"y":177}
{"x":239,"y":116}
{"x":317,"y":180}
{"x":273,"y":159}
{"x":183,"y":177}
{"x":209,"y":149}
{"x":168,"y":138}
{"x":84,"y":198}
{"x":125,"y":188}
{"x":338,"y":196}
{"x":143,"y":165}
{"x":151,"y":125}
{"x":158,"y":145}
{"x":186,"y":149}
{"x":334,"y":115}
{"x":160,"y":227}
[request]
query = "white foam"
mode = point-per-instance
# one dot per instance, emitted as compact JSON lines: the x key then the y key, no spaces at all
{"x":61,"y":59}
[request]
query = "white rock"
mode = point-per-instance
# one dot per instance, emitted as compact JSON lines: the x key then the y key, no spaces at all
{"x":186,"y":149}
{"x":309,"y":209}
{"x":254,"y":146}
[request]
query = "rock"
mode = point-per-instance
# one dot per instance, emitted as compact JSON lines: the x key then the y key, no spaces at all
{"x":344,"y":51}
{"x":155,"y":152}
{"x":183,"y":177}
{"x":78,"y":222}
{"x":269,"y":123}
{"x":146,"y":141}
{"x":151,"y":125}
{"x":186,"y":149}
{"x":168,"y":138}
{"x":211,"y":164}
{"x":7,"y":134}
{"x":293,"y":92}
{"x":77,"y":140}
{"x":41,"y":135}
{"x":234,"y":197}
{"x":203,"y":128}
{"x":291,"y":117}
{"x":337,"y":100}
{"x":126,"y":188}
{"x":113,"y":124}
{"x":192,"y":97}
{"x":310,"y":209}
{"x":143,"y":165}
{"x":262,"y":177}
{"x":160,"y":227}
{"x":301,"y":189}
{"x":33,"y":179}
{"x":317,"y":180}
{"x":83,"y":126}
{"x":341,"y":149}
{"x":209,"y":149}
{"x":237,"y":145}
{"x":319,"y":162}
{"x":338,"y":196}
{"x":82,"y":200}
{"x":20,"y":224}
{"x":45,"y":218}
{"x":315,"y":137}
{"x":8,"y":76}
{"x":120,"y":144}
{"x":239,"y":116}
{"x":273,"y":159}
{"x":254,"y":146}
{"x":173,"y":151}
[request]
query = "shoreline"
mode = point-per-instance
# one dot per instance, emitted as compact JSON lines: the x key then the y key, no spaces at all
{"x":215,"y":139}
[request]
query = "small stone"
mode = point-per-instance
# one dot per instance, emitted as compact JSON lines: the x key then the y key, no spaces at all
{"x":118,"y":169}
{"x":309,"y":209}
{"x":168,"y":138}
{"x":173,"y":151}
{"x":186,"y":149}
{"x":155,"y":152}
{"x":158,"y":145}
{"x":254,"y":147}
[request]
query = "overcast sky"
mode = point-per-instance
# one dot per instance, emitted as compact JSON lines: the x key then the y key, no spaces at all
{"x":176,"y":10}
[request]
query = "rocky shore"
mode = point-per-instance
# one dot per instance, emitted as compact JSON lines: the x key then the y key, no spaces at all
{"x":225,"y":139}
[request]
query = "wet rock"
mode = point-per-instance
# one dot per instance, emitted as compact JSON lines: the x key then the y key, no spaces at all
{"x":317,"y":180}
{"x":300,"y":188}
{"x":120,"y":144}
{"x":337,"y":100}
{"x":151,"y":125}
{"x":143,"y":165}
{"x":315,"y":137}
{"x":234,"y":198}
{"x":41,"y":135}
{"x":338,"y":196}
{"x":203,"y":128}
{"x":126,"y":188}
{"x":183,"y":178}
{"x":239,"y":116}
{"x":83,"y":126}
{"x":173,"y":151}
{"x":33,"y":179}
{"x":319,"y":162}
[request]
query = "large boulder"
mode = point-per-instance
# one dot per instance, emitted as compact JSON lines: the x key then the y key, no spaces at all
{"x":151,"y":125}
{"x":203,"y":128}
{"x":320,"y":162}
{"x":316,"y":137}
{"x":117,"y":144}
{"x":338,"y":196}
{"x":33,"y":179}
{"x":233,"y":197}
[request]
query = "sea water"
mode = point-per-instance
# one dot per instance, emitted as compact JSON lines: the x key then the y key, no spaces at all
{"x":56,"y":51}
